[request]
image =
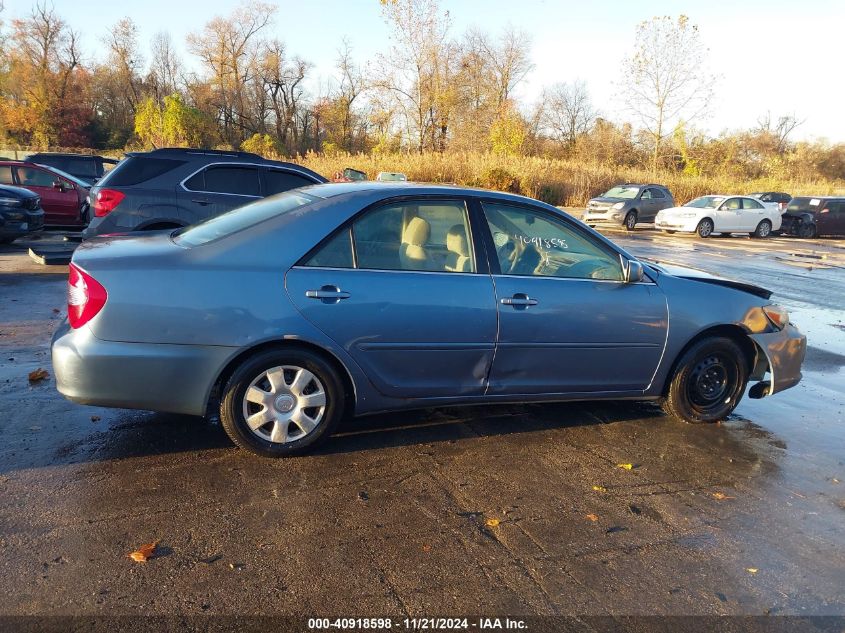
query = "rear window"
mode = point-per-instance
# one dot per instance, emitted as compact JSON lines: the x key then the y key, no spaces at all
{"x":242,"y":181}
{"x":133,"y":170}
{"x":241,"y":218}
{"x":82,"y":166}
{"x":278,"y":181}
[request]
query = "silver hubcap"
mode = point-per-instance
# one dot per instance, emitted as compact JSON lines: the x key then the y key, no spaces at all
{"x":284,"y":404}
{"x":764,"y":229}
{"x":706,"y":228}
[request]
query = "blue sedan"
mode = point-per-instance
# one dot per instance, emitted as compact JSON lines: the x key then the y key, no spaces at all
{"x":290,"y":313}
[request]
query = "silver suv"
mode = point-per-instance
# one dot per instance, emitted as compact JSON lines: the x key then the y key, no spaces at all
{"x":628,"y":204}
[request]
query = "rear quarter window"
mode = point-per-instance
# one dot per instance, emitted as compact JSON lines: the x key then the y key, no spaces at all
{"x":134,"y":170}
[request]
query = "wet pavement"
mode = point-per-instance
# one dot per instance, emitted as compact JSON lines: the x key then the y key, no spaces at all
{"x":490,"y":510}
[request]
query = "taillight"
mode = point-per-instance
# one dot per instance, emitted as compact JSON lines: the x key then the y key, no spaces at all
{"x":106,"y":200}
{"x":85,"y":297}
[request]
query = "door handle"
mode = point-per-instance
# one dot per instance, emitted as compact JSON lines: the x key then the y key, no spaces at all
{"x":328,"y":294}
{"x":519,"y":301}
{"x":203,"y":203}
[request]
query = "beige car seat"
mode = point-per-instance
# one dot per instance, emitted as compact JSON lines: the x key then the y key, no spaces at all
{"x":457,"y":260}
{"x":412,"y":253}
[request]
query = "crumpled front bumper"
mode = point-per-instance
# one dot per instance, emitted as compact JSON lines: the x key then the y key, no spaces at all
{"x":784,"y":353}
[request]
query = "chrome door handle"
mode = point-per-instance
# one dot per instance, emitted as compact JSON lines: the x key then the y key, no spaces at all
{"x":328,"y":294}
{"x":519,"y":300}
{"x":203,"y":203}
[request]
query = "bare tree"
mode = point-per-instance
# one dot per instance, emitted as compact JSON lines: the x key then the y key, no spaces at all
{"x":666,"y":79}
{"x":780,"y":130}
{"x":568,"y":112}
{"x":282,"y":81}
{"x":507,"y":60}
{"x":228,"y":46}
{"x":352,"y":83}
{"x":165,"y":68}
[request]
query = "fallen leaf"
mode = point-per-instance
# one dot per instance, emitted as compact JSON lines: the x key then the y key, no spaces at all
{"x":144,"y":553}
{"x":492,"y":522}
{"x":592,"y":517}
{"x":426,"y":548}
{"x":599,"y":488}
{"x":625,"y":466}
{"x":720,"y":496}
{"x":38,"y":375}
{"x":751,"y":570}
{"x":236,"y":566}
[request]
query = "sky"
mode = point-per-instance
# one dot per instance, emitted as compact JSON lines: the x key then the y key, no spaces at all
{"x":772,"y":56}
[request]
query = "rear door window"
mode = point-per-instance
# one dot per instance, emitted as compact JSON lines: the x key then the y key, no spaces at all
{"x":134,"y":170}
{"x":6,"y":175}
{"x":656,"y":193}
{"x":748,"y":203}
{"x":279,"y":180}
{"x":34,"y":177}
{"x":239,"y":180}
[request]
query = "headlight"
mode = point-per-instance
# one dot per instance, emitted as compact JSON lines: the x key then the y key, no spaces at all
{"x":10,"y":202}
{"x":618,"y":205}
{"x":686,"y":216}
{"x":14,"y":216}
{"x":777,"y":316}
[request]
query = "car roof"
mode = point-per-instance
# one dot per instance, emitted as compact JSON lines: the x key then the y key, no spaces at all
{"x":388,"y":189}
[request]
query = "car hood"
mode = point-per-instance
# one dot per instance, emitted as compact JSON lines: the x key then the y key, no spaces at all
{"x":603,"y":200}
{"x":16,"y":192}
{"x":699,"y":275}
{"x":672,"y":210}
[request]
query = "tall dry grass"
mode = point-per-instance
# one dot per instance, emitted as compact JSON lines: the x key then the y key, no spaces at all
{"x":556,"y":181}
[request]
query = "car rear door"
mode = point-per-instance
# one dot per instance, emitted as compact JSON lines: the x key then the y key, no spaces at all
{"x":219,"y":188}
{"x":568,"y":324}
{"x":830,"y":220}
{"x":402,"y":291}
{"x":61,"y":205}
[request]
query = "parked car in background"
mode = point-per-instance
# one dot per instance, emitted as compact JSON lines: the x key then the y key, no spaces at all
{"x":391,"y":176}
{"x":773,"y":197}
{"x":287,"y":314}
{"x":85,"y":167}
{"x":720,"y":214}
{"x":627,"y":205}
{"x":171,"y":188}
{"x":808,"y":217}
{"x":20,"y":213}
{"x":64,"y":197}
{"x":350,"y":175}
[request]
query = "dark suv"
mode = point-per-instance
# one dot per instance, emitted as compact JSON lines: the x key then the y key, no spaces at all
{"x":87,"y":168}
{"x":171,"y":188}
{"x":809,"y":217}
{"x":20,"y":213}
{"x":628,"y":204}
{"x":778,"y":197}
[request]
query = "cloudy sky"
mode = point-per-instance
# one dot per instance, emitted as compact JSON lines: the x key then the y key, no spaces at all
{"x":775,"y":56}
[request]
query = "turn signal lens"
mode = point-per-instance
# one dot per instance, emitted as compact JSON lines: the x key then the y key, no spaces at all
{"x":777,"y":316}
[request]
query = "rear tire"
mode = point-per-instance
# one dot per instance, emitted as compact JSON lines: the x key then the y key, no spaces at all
{"x":705,"y":228}
{"x":763,"y":230}
{"x":292,"y":398}
{"x":630,"y":221}
{"x":708,"y":383}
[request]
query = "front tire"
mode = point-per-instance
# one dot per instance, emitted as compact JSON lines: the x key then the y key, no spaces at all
{"x":709,"y":381}
{"x":764,"y":229}
{"x":705,"y":228}
{"x":630,"y":221}
{"x":280,"y":403}
{"x":807,"y":230}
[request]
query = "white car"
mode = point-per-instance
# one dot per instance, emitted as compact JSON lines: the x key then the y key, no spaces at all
{"x":720,"y":214}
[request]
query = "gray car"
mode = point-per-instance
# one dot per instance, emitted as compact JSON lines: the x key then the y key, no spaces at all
{"x":628,"y":204}
{"x":290,"y":313}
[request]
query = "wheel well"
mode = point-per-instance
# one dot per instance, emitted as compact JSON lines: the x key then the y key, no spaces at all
{"x":286,"y":344}
{"x":733,"y":332}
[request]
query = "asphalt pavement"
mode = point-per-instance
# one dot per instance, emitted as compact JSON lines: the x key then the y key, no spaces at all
{"x":587,"y":508}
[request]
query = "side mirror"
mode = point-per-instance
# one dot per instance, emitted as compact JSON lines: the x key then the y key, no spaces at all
{"x":634,"y":271}
{"x":58,"y":184}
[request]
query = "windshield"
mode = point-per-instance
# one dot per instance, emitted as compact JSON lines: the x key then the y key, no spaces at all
{"x":627,"y":193}
{"x":67,"y":176}
{"x":706,"y":202}
{"x":241,"y":218}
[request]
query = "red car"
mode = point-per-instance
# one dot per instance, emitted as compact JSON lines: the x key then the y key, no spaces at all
{"x":63,"y":197}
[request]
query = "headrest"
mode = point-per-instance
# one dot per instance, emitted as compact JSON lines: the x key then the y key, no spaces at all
{"x":456,"y":241}
{"x":417,"y":232}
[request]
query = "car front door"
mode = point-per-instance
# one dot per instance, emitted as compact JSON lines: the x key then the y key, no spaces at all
{"x":830,"y":220}
{"x":60,"y":202}
{"x":727,"y":216}
{"x":218,"y":188}
{"x":568,"y":323}
{"x":401,"y":290}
